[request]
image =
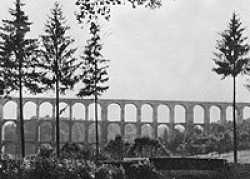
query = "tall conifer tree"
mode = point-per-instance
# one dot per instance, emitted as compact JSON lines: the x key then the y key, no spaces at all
{"x":17,"y":53}
{"x":231,"y":60}
{"x":94,"y":74}
{"x":57,"y":59}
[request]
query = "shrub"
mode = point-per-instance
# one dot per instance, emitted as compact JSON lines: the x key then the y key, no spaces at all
{"x":110,"y":172}
{"x":142,"y":170}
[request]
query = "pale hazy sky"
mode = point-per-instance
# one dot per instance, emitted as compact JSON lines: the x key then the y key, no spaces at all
{"x":161,"y":54}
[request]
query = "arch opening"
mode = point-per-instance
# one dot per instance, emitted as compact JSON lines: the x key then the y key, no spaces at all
{"x":130,"y":132}
{"x":246,"y":112}
{"x":45,"y":111}
{"x":163,"y":131}
{"x":92,"y":112}
{"x":130,"y":113}
{"x":10,"y":110}
{"x":146,"y":113}
{"x":180,"y":114}
{"x":146,"y":131}
{"x":113,"y":131}
{"x":214,"y":113}
{"x":78,"y":111}
{"x":114,"y":112}
{"x":92,"y":133}
{"x":78,"y":132}
{"x":45,"y":132}
{"x":29,"y":111}
{"x":198,"y":114}
{"x":163,"y":114}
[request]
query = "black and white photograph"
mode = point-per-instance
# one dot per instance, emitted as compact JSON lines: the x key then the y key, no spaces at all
{"x":125,"y":89}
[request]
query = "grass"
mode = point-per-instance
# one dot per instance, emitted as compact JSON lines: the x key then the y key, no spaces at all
{"x":243,"y":156}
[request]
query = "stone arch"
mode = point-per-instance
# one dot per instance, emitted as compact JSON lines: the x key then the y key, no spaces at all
{"x":30,"y":149}
{"x":78,"y":132}
{"x":163,"y":114}
{"x":9,"y":131}
{"x":130,"y":113}
{"x":11,"y":148}
{"x":45,"y":110}
{"x":130,"y":132}
{"x":215,"y":114}
{"x":246,"y":112}
{"x":163,"y":131}
{"x":30,"y":130}
{"x":146,"y":113}
{"x":64,"y":111}
{"x":29,"y":110}
{"x":64,"y":132}
{"x":114,"y":112}
{"x":45,"y":131}
{"x":180,"y":114}
{"x":229,"y":113}
{"x":198,"y":114}
{"x":78,"y":111}
{"x":92,"y":133}
{"x":180,"y":128}
{"x":10,"y":110}
{"x":91,"y":115}
{"x":113,"y":131}
{"x":146,"y":130}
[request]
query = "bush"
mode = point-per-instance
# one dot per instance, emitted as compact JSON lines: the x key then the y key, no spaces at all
{"x":142,"y":170}
{"x":110,"y":171}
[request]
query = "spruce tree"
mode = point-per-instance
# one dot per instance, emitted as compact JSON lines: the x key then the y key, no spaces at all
{"x":57,"y":59}
{"x":18,"y":60}
{"x":231,"y":60}
{"x":94,"y":76}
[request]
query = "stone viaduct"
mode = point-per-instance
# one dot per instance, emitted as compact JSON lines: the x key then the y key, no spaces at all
{"x":129,"y":118}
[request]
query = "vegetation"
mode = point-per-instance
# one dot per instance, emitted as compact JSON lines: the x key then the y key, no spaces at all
{"x":19,"y":65}
{"x":57,"y":59}
{"x":91,"y":10}
{"x":94,"y":74}
{"x":72,"y":164}
{"x":53,"y":66}
{"x":231,"y":60}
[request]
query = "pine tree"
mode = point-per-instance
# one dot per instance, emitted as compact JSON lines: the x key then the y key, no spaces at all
{"x":230,"y":60}
{"x":94,"y":74}
{"x":57,"y":59}
{"x":18,"y":62}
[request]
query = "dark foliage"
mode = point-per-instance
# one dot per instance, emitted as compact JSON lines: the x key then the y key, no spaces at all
{"x":147,"y":147}
{"x":76,"y":151}
{"x":94,"y":68}
{"x":117,"y":148}
{"x":142,"y":169}
{"x":18,"y":53}
{"x":19,"y":65}
{"x":56,"y":59}
{"x":110,"y":171}
{"x":91,"y":10}
{"x":94,"y":73}
{"x":57,"y":54}
{"x":230,"y":59}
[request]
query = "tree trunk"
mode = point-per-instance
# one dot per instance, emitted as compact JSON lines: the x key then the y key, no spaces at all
{"x":96,"y":126}
{"x":96,"y":115}
{"x":21,"y":111}
{"x":57,"y":113}
{"x":234,"y":120}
